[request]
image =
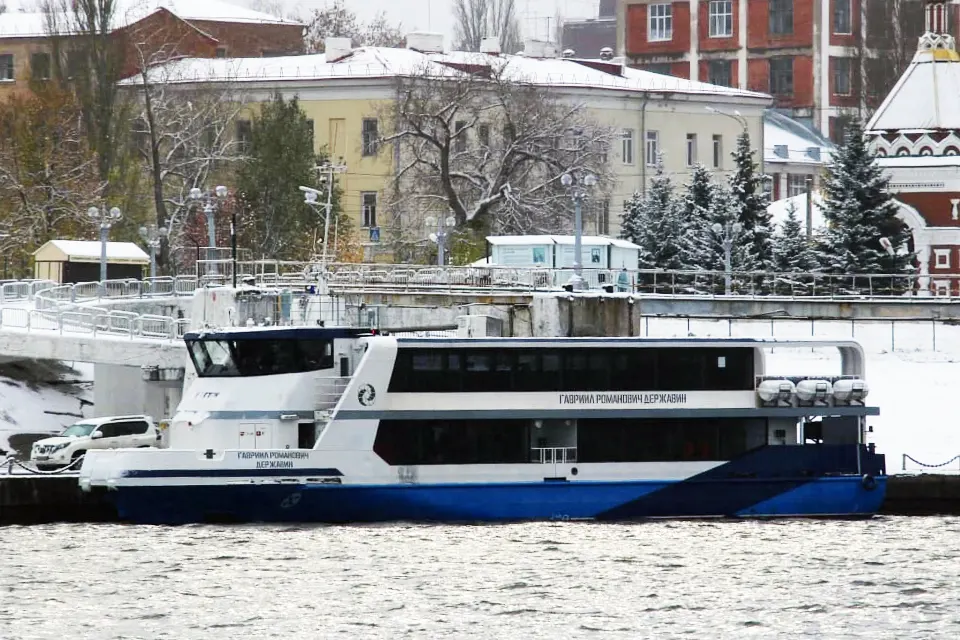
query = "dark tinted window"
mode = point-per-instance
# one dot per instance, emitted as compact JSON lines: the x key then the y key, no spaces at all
{"x":436,"y":370}
{"x":416,"y":442}
{"x":131,"y":428}
{"x":110,"y":430}
{"x":231,"y":358}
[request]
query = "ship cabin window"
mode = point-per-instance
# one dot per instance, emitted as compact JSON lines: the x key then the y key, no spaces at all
{"x":491,"y":370}
{"x":259,"y":357}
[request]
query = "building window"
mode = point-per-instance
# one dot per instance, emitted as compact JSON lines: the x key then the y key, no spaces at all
{"x":941,"y":258}
{"x":40,"y":66}
{"x":244,"y":135}
{"x":221,"y":52}
{"x":941,"y":287}
{"x":460,"y":136}
{"x":368,"y":212}
{"x":720,"y":72}
{"x":483,"y":134}
{"x":603,"y":218}
{"x":781,"y":76}
{"x":691,"y":149}
{"x":652,"y":148}
{"x":721,"y":18}
{"x":663,"y":68}
{"x":841,"y":76}
{"x":797,"y":184}
{"x":370,"y":137}
{"x":660,"y":23}
{"x":842,"y":17}
{"x":717,"y":152}
{"x":76,"y":59}
{"x":627,"y":146}
{"x":6,"y":66}
{"x":781,"y":17}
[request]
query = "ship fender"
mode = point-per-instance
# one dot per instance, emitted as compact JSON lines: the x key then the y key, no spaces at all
{"x":868,"y":482}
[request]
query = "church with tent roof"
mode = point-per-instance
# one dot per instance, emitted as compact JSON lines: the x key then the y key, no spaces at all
{"x":916,"y":135}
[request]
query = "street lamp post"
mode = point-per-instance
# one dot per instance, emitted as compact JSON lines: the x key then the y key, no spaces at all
{"x":727,"y":235}
{"x":578,"y":191}
{"x":310,"y":198}
{"x":441,"y":234}
{"x":106,"y":219}
{"x":153,"y":237}
{"x":211,"y":202}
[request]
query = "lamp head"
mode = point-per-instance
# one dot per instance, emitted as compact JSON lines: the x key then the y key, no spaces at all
{"x":717,"y":228}
{"x":737,"y":227}
{"x":115,"y":213}
{"x":145,"y":233}
{"x":450,"y":221}
{"x":221,"y":191}
{"x":93,"y":212}
{"x":566,"y":180}
{"x":195,"y":193}
{"x":429,"y":221}
{"x":163,"y":232}
{"x":310,"y":196}
{"x":589,"y":180}
{"x":433,"y":237}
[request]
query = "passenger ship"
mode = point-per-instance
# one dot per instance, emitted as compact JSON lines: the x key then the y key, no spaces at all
{"x":341,"y":425}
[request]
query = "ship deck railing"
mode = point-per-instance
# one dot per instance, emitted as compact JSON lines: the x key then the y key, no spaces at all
{"x":553,"y":455}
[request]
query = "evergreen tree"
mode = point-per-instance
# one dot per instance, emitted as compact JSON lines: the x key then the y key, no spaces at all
{"x":792,"y":250}
{"x":653,"y":221}
{"x":751,"y":202}
{"x":860,"y":212}
{"x":279,"y":159}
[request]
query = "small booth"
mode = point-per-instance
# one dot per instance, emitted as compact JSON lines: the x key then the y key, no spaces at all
{"x":72,"y":261}
{"x":557,"y":252}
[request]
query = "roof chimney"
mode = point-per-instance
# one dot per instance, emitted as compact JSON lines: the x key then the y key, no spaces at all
{"x":490,"y":45}
{"x":336,"y":49}
{"x":425,"y":42}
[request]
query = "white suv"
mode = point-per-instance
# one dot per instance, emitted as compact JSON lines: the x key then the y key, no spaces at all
{"x":114,"y":432}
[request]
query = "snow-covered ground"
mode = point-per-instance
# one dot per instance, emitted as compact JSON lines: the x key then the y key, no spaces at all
{"x":30,"y":404}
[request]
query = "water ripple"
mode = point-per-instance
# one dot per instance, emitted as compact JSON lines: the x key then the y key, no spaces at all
{"x":789,"y":579}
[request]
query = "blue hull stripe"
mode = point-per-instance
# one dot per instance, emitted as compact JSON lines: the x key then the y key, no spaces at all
{"x":231,"y":473}
{"x":341,"y":504}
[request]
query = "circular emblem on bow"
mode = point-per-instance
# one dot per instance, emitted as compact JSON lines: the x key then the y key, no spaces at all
{"x":367,"y":395}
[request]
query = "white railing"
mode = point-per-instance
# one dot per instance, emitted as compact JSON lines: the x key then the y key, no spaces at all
{"x":553,"y":455}
{"x":93,"y":321}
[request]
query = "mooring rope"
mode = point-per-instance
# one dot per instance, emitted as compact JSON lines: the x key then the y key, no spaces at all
{"x":928,"y":466}
{"x":10,"y":461}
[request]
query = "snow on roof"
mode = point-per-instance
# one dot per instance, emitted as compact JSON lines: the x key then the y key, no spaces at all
{"x":778,"y":210}
{"x":799,"y":142}
{"x":26,"y":19}
{"x":925,"y":96}
{"x":382,"y":62}
{"x":561,"y":240}
{"x":90,"y":249}
{"x":918,"y":161}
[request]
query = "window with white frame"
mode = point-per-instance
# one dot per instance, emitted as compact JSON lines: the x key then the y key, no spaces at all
{"x":652,"y":148}
{"x":941,"y":287}
{"x":941,"y":258}
{"x":660,"y":22}
{"x":842,"y":17}
{"x":717,"y":152}
{"x":627,"y":146}
{"x":368,"y":211}
{"x":721,"y":18}
{"x":6,"y":67}
{"x":691,"y":149}
{"x":797,"y":184}
{"x":370,"y":137}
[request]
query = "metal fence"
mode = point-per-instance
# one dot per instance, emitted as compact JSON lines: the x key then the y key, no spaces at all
{"x":752,"y":284}
{"x":93,"y":321}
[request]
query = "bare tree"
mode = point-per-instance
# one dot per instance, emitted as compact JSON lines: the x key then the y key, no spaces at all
{"x":489,"y":146}
{"x":337,"y":21}
{"x":478,"y":19}
{"x":183,"y":133}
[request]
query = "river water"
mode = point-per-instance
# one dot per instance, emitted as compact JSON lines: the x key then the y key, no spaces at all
{"x":881,"y":578}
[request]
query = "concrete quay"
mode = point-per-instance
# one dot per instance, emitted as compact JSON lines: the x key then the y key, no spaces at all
{"x":40,"y":499}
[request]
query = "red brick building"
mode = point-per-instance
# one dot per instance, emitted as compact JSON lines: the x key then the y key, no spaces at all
{"x":915,"y":133}
{"x":806,"y":53}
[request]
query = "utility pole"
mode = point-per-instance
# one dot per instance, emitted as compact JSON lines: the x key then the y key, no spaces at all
{"x":326,"y":173}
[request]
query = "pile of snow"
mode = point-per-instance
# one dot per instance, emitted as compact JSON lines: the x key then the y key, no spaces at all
{"x":778,"y":210}
{"x":39,"y":399}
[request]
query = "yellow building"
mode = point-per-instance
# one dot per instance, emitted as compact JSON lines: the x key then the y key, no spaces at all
{"x":347,"y":92}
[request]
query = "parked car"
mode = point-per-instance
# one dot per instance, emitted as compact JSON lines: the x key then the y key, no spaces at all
{"x":112,"y":432}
